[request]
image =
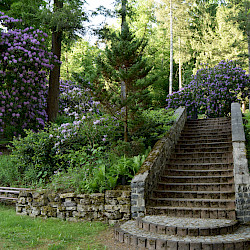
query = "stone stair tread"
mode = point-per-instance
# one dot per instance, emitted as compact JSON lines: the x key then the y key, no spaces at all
{"x":202,"y":200}
{"x":199,"y":170}
{"x":196,"y":177}
{"x":204,"y":143}
{"x":198,"y":163}
{"x":131,"y":234}
{"x":186,"y":222}
{"x":193,"y":208}
{"x":192,"y":183}
{"x":193,"y":192}
{"x":207,"y":140}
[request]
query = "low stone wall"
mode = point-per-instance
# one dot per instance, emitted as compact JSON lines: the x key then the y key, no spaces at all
{"x":113,"y":206}
{"x":241,"y":172}
{"x":147,"y":177}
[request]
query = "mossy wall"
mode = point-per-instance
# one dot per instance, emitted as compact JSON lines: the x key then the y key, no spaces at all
{"x":113,"y":206}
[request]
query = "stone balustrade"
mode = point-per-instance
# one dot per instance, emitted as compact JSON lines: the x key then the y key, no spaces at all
{"x":241,"y":172}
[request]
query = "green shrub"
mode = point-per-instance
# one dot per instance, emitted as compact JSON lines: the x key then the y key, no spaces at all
{"x":152,"y":125}
{"x":9,"y":175}
{"x":104,"y":173}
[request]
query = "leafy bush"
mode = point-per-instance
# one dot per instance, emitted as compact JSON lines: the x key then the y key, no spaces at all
{"x":23,"y":70}
{"x":104,"y":173}
{"x":8,"y":171}
{"x":212,"y":90}
{"x":39,"y":155}
{"x":152,"y":125}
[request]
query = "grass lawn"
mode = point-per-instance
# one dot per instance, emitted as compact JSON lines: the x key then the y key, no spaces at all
{"x":23,"y":232}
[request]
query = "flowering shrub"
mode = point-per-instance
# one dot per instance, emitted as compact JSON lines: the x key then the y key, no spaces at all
{"x":24,"y":67}
{"x":75,"y":144}
{"x":212,"y":90}
{"x":74,"y":100}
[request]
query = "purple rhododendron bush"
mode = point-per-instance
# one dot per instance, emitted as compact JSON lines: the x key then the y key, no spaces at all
{"x":24,"y":67}
{"x":212,"y":90}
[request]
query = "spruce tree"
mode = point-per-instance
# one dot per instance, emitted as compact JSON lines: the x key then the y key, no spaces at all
{"x":122,"y":85}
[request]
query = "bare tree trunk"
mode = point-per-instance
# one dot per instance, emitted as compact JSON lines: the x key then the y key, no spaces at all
{"x":124,"y":110}
{"x":248,"y":42}
{"x":180,"y":65}
{"x":171,"y":51}
{"x":53,"y":93}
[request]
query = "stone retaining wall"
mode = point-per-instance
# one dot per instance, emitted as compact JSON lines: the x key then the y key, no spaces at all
{"x":147,"y":177}
{"x":112,"y":206}
{"x":241,"y":172}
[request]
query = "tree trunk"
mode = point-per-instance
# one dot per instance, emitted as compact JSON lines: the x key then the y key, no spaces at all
{"x":171,"y":51}
{"x":248,"y":42}
{"x":124,"y":110}
{"x":180,"y":65}
{"x":53,"y":93}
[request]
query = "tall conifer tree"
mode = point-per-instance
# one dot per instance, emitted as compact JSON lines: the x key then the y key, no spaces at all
{"x":122,"y":86}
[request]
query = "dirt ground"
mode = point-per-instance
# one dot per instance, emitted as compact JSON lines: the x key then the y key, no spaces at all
{"x":107,"y":239}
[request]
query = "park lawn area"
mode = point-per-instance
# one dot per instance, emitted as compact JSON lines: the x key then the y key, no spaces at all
{"x":23,"y":232}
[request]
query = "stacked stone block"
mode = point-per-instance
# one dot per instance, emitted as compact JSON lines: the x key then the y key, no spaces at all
{"x":112,"y":206}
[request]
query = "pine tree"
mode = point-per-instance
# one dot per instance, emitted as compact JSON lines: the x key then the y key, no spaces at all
{"x":122,"y":86}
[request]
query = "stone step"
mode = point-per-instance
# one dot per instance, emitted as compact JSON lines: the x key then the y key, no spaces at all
{"x":194,"y":194}
{"x":199,"y":166}
{"x":137,"y":238}
{"x":208,"y":127}
{"x":196,"y":186}
{"x":220,"y":120}
{"x":185,"y":226}
{"x":192,"y":172}
{"x":192,"y":140}
{"x":193,"y":212}
{"x":192,"y":203}
{"x":204,"y":144}
{"x":224,"y":160}
{"x":202,"y":134}
{"x":206,"y":138}
{"x":192,"y":155}
{"x":199,"y":149}
{"x":197,"y":179}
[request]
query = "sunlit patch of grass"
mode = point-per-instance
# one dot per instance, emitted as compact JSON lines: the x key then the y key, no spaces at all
{"x":23,"y":232}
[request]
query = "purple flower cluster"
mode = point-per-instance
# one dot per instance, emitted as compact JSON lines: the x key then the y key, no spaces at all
{"x":74,"y":100}
{"x":212,"y":90}
{"x":24,"y":67}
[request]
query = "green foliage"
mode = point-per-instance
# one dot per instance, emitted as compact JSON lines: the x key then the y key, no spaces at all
{"x":80,"y":59}
{"x":39,"y":155}
{"x":122,"y":63}
{"x":23,"y":232}
{"x":152,"y":125}
{"x":8,"y":171}
{"x":99,"y":174}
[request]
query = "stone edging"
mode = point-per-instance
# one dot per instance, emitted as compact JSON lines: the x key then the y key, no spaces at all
{"x":151,"y":170}
{"x":241,"y":172}
{"x":157,"y":242}
{"x":186,"y":231}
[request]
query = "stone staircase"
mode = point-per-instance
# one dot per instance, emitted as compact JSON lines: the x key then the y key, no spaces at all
{"x":193,"y":205}
{"x":198,"y":181}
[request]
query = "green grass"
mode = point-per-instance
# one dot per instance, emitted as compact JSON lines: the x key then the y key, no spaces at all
{"x":23,"y":232}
